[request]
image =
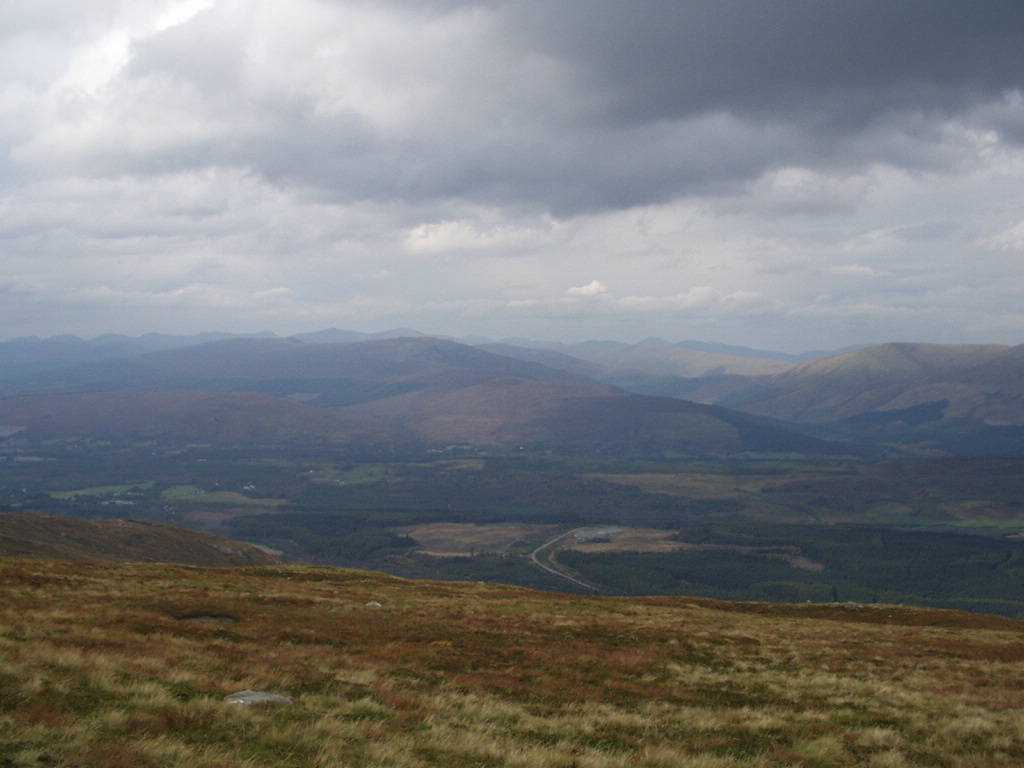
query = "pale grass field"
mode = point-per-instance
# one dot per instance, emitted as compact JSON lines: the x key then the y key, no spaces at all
{"x":104,"y":666}
{"x":629,"y":540}
{"x":448,"y":539}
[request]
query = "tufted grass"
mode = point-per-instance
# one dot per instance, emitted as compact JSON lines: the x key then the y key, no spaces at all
{"x":107,"y":666}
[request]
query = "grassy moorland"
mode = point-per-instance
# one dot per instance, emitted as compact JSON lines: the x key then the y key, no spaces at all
{"x":118,"y":541}
{"x":115,"y":666}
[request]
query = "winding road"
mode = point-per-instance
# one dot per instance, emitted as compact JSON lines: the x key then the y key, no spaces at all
{"x":551,"y":569}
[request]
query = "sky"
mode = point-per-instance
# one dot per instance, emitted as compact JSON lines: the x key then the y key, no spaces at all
{"x":789,"y":175}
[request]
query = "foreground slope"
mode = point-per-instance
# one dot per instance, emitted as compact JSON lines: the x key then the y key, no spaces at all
{"x":105,"y":665}
{"x":121,"y":540}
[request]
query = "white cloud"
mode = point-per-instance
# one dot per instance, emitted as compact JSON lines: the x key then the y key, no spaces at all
{"x":855,"y":270}
{"x":591,"y":290}
{"x":1010,"y":239}
{"x":794,"y":190}
{"x":455,"y":166}
{"x":488,"y":232}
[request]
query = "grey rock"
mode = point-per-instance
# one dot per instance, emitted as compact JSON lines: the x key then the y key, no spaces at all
{"x":250,"y":697}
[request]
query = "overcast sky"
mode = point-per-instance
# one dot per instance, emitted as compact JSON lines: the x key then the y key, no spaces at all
{"x":789,"y":175}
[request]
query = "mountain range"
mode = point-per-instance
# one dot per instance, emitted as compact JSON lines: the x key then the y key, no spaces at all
{"x":401,"y":388}
{"x":389,"y":391}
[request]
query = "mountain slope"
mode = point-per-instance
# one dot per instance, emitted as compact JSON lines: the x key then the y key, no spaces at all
{"x":119,"y":541}
{"x":106,"y":666}
{"x":668,"y":359}
{"x":396,"y":390}
{"x":947,"y":398}
{"x":183,"y":416}
{"x":887,"y":377}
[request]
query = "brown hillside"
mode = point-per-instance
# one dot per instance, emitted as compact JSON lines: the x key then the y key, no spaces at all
{"x":494,"y":412}
{"x":388,"y":391}
{"x":884,"y":377}
{"x":118,"y":541}
{"x":676,"y":361}
{"x":106,"y":666}
{"x":218,"y":417}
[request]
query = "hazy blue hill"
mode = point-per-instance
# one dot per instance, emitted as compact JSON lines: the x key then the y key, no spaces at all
{"x":247,"y":363}
{"x":384,"y":391}
{"x":184,"y":416}
{"x":764,"y":354}
{"x":866,"y":380}
{"x":946,"y":398}
{"x":24,"y":359}
{"x":549,"y":357}
{"x":32,"y":356}
{"x":337,"y":336}
{"x":676,"y":360}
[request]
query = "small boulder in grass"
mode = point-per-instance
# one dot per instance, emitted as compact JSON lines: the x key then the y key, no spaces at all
{"x":251,"y":697}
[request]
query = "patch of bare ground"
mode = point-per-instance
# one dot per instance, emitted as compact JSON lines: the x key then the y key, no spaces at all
{"x":625,"y":540}
{"x":659,"y":540}
{"x":465,"y":539}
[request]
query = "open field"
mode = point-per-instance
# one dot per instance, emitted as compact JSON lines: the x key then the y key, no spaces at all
{"x":901,"y":493}
{"x":197,"y":495}
{"x":625,"y":540}
{"x":455,"y":539}
{"x":127,"y":666}
{"x":105,"y":490}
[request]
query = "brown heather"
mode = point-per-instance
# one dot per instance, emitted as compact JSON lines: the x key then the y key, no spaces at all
{"x":107,"y":666}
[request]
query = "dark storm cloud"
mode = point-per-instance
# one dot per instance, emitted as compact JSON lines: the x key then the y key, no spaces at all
{"x":670,"y":98}
{"x":581,"y":106}
{"x":846,"y":62}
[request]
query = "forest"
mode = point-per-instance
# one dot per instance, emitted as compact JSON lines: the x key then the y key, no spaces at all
{"x":917,"y":531}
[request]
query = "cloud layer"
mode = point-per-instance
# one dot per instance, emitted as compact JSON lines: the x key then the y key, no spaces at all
{"x":792,"y":174}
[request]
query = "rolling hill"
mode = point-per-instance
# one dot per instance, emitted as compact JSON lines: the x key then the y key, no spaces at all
{"x":669,"y":359}
{"x":932,"y":397}
{"x":120,"y":541}
{"x":387,"y":391}
{"x":887,"y":377}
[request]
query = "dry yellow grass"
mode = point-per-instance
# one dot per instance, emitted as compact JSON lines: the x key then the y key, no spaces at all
{"x":452,"y":539}
{"x":627,"y":540}
{"x":105,"y":666}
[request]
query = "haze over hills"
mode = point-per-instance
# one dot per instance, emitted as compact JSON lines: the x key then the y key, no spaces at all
{"x":29,"y":355}
{"x":387,"y":391}
{"x":401,"y":385}
{"x":880,"y":378}
{"x":676,"y":361}
{"x":951,"y":398}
